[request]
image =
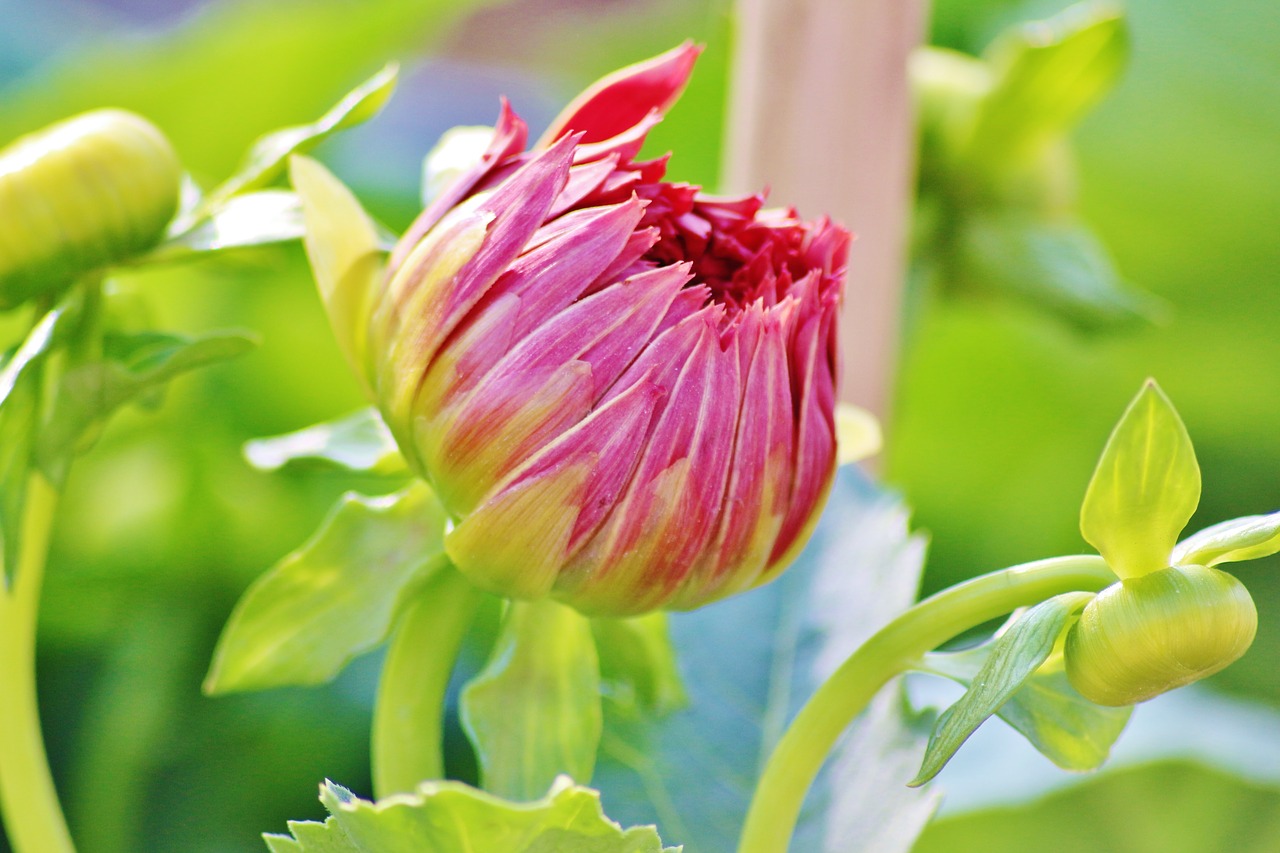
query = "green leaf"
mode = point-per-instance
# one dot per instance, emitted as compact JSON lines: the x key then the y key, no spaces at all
{"x":1014,"y":656}
{"x":1233,"y":541}
{"x":21,"y":387}
{"x":1053,"y":265}
{"x":638,"y":661}
{"x":1164,"y":807}
{"x":534,"y":711}
{"x":243,"y":221}
{"x":266,"y":159}
{"x":448,"y":817}
{"x":1048,"y":74}
{"x":131,"y":366}
{"x":1145,"y":488}
{"x":346,"y":258}
{"x":332,"y":599}
{"x":1065,"y":727}
{"x":358,"y":442}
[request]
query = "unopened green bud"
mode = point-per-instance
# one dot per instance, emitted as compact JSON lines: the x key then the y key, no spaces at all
{"x":89,"y":191}
{"x":1149,"y":634}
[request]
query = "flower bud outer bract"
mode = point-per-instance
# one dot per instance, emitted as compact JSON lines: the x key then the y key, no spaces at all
{"x":621,"y":388}
{"x":1146,"y":635}
{"x":89,"y":191}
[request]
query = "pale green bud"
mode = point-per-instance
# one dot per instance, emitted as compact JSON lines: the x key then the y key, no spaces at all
{"x":86,"y":192}
{"x":1149,"y":634}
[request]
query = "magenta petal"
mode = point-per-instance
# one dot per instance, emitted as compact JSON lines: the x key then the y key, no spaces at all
{"x":654,"y":537}
{"x":815,"y":443}
{"x":621,"y":99}
{"x":575,"y":248}
{"x":509,"y":136}
{"x":583,"y":181}
{"x":606,"y":331}
{"x":517,"y":208}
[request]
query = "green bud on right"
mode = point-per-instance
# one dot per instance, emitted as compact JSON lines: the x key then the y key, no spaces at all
{"x":89,"y":191}
{"x":1150,"y":634}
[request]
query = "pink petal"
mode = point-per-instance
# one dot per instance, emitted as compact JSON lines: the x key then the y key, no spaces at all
{"x":760,"y":479}
{"x":509,"y":136}
{"x":621,"y":99}
{"x":815,"y":445}
{"x":422,"y":307}
{"x":653,"y":538}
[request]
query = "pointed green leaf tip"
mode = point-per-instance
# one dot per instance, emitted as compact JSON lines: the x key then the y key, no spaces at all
{"x":1250,"y":538}
{"x":1062,"y":725}
{"x":447,"y":817}
{"x":1145,"y":488}
{"x":1015,"y":656}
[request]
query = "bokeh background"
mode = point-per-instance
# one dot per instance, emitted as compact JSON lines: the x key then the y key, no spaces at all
{"x":1000,"y":410}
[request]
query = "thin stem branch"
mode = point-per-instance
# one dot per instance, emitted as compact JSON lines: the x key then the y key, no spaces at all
{"x":28,"y":800}
{"x":408,"y":717}
{"x":804,"y":747}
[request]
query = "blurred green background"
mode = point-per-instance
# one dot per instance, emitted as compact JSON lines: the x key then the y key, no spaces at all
{"x":999,"y":417}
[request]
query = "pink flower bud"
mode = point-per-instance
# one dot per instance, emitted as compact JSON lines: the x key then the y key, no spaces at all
{"x":621,"y":388}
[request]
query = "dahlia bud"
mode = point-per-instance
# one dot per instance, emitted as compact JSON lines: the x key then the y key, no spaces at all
{"x":621,"y":388}
{"x":1165,"y":629}
{"x":80,"y":194}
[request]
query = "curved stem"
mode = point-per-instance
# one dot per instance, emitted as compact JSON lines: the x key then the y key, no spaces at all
{"x":802,"y":750}
{"x":408,"y":716}
{"x":32,"y":816}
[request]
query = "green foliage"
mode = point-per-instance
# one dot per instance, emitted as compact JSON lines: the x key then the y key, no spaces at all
{"x":638,"y":661}
{"x":332,"y":599}
{"x":446,"y":817}
{"x":1014,"y":677}
{"x":358,"y":442}
{"x":1014,"y":656}
{"x":1249,"y":538}
{"x":1046,"y":76}
{"x":996,"y":210}
{"x":131,"y":366}
{"x":266,"y":159}
{"x":1170,"y":807}
{"x":534,"y":711}
{"x":1145,"y":488}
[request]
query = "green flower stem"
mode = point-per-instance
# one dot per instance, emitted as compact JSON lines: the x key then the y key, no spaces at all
{"x":802,"y":750}
{"x":408,"y":716}
{"x":29,"y":802}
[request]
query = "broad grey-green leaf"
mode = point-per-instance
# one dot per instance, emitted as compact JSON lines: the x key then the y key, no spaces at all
{"x":1233,"y":541}
{"x":1145,"y":488}
{"x":449,"y":817}
{"x":534,"y":712}
{"x":1047,"y":75}
{"x":1014,"y":656}
{"x":266,"y":159}
{"x":332,"y":599}
{"x":1065,"y":727}
{"x":358,"y":442}
{"x":638,"y":661}
{"x":131,"y":366}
